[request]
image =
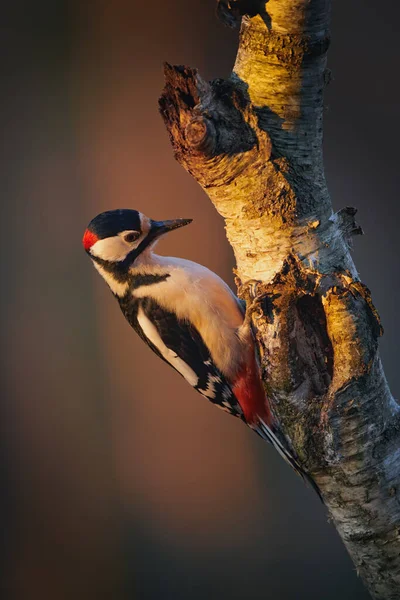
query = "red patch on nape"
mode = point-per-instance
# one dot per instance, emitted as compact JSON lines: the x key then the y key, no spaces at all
{"x":89,"y":238}
{"x":249,"y":391}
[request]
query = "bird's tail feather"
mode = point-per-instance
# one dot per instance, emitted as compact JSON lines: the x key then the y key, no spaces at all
{"x":267,"y":434}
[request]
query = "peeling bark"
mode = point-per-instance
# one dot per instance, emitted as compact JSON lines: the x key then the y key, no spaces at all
{"x":254,"y":143}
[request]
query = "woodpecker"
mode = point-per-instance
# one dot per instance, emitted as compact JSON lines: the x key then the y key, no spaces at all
{"x":187,"y":315}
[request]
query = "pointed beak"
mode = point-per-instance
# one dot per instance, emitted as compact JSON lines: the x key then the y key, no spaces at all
{"x":160,"y":227}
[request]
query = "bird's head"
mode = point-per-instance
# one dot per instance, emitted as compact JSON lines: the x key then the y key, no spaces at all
{"x":116,"y":238}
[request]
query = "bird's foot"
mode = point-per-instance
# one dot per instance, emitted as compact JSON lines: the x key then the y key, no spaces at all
{"x":253,"y":296}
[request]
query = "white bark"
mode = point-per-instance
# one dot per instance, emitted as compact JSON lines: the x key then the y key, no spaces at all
{"x":254,"y":143}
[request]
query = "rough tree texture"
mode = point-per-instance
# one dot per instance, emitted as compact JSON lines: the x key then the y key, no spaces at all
{"x":254,"y":143}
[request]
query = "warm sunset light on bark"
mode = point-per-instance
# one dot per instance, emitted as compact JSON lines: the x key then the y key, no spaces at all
{"x":254,"y":143}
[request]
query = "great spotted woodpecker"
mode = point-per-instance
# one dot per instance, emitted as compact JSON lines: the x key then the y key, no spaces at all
{"x":186,"y":314}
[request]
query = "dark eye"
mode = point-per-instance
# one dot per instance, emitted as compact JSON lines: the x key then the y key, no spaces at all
{"x":131,"y":236}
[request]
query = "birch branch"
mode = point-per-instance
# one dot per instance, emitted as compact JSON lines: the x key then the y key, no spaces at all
{"x":254,"y":143}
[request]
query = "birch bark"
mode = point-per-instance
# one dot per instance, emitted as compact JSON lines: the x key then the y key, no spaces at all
{"x":254,"y":143}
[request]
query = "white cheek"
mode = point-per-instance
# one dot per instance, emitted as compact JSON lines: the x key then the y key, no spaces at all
{"x":113,"y":249}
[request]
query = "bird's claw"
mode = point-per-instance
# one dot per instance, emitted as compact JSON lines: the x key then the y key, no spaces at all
{"x":254,"y":297}
{"x":252,"y":286}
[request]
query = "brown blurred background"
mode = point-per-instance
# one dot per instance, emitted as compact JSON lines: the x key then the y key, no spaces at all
{"x":118,"y":481}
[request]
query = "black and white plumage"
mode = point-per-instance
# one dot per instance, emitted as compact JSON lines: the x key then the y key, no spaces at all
{"x":149,"y":288}
{"x":186,"y":314}
{"x":179,"y":344}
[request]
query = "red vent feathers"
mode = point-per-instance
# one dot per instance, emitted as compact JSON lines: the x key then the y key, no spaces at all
{"x":250,"y":393}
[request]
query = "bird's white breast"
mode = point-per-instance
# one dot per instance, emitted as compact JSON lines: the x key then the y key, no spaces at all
{"x":196,"y":294}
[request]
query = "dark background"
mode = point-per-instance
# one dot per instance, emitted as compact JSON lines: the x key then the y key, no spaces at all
{"x":118,"y":481}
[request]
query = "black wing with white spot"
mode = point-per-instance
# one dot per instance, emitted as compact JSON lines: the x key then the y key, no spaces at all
{"x":181,"y":346}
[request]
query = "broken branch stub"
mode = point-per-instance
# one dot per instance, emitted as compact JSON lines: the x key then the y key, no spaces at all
{"x":213,"y":129}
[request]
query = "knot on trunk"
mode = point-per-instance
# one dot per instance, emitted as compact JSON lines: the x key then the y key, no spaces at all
{"x":200,"y":135}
